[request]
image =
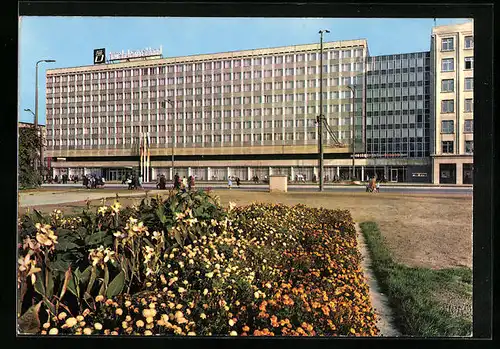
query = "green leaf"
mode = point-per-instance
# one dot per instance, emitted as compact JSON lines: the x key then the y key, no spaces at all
{"x":65,"y":245}
{"x":82,"y":232}
{"x":38,"y":286}
{"x":178,"y":238}
{"x":59,"y":265}
{"x":67,"y":277}
{"x":73,"y":286}
{"x":63,"y":232}
{"x":49,"y":283}
{"x":84,"y":277}
{"x":93,"y":276}
{"x":39,"y":216}
{"x":29,"y":322}
{"x":116,"y":286}
{"x":96,"y":238}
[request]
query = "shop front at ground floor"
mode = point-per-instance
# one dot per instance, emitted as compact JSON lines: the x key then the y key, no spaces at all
{"x":453,"y":170}
{"x":390,"y":170}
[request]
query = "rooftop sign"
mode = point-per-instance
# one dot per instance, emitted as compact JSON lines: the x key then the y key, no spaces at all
{"x":113,"y":56}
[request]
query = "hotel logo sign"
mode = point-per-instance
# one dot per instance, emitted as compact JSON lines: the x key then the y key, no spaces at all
{"x":113,"y":56}
{"x":100,"y":56}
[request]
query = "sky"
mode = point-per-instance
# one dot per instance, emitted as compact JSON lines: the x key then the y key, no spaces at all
{"x":71,"y":40}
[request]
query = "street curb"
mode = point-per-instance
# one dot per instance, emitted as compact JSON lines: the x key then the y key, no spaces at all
{"x":379,"y":301}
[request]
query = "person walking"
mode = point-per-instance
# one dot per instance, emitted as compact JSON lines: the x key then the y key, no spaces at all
{"x":191,"y":183}
{"x":184,"y":183}
{"x":238,"y":181}
{"x":176,"y":181}
{"x":229,"y":182}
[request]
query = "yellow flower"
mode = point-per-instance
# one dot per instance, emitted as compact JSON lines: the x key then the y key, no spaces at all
{"x":205,"y":292}
{"x":149,"y":319}
{"x":71,"y":322}
{"x":124,"y":325}
{"x":102,"y":210}
{"x":203,"y":316}
{"x":99,"y":298}
{"x":231,"y":322}
{"x":46,"y":325}
{"x":128,"y":304}
{"x":53,"y":331}
{"x":209,"y":275}
{"x":191,"y":333}
{"x":139,"y":323}
{"x":79,"y":317}
{"x":181,"y":290}
{"x":119,"y":311}
{"x":233,"y":333}
{"x":87,"y":331}
{"x":148,"y":333}
{"x":116,"y":207}
{"x":62,"y":316}
{"x":256,"y":294}
{"x":98,"y":326}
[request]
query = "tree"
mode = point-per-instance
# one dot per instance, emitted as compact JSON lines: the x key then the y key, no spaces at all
{"x":29,"y":143}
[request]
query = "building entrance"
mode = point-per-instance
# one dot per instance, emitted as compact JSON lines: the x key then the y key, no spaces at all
{"x":447,"y":173}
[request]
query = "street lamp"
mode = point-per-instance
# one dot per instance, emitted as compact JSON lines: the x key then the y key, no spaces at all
{"x":36,"y":110}
{"x":320,"y":116}
{"x":31,"y":111}
{"x":173,"y":136}
{"x":353,"y":89}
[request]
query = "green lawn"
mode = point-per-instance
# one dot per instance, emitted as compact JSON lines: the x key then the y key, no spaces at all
{"x":426,"y":302}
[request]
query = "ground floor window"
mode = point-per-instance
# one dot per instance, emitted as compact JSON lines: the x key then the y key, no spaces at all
{"x":468,"y":174}
{"x":447,"y":173}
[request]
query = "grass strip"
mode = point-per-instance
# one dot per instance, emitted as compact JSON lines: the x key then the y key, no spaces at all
{"x":426,"y":302}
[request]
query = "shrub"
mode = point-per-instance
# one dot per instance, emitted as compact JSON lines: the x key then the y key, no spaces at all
{"x":184,"y":265}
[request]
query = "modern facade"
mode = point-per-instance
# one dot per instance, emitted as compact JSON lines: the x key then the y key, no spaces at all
{"x":398,"y":115}
{"x":254,"y":112}
{"x":452,"y":50}
{"x":239,"y":113}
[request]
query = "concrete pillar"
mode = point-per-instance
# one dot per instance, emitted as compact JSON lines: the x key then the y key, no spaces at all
{"x":338,"y":171}
{"x":270,"y":171}
{"x":171,"y":174}
{"x":435,"y":175}
{"x":386,"y":173}
{"x":153,"y":174}
{"x":209,"y":174}
{"x":460,"y":173}
{"x":292,"y":174}
{"x":362,"y":173}
{"x":189,"y":171}
{"x":249,"y":174}
{"x":228,"y":173}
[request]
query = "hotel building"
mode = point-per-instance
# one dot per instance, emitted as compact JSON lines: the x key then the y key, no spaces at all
{"x":452,"y":61}
{"x":254,"y":112}
{"x":239,"y":113}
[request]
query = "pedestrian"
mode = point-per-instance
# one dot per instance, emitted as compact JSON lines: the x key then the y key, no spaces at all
{"x":163,"y":182}
{"x":140,"y":181}
{"x":314,"y":178}
{"x":238,"y":181}
{"x":191,"y":182}
{"x":229,"y":182}
{"x":184,"y":184}
{"x":176,"y":181}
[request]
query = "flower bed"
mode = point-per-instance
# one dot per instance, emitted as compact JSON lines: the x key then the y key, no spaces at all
{"x":184,"y":265}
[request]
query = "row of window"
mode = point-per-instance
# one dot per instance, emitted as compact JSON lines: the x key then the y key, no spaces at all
{"x":448,"y":44}
{"x":186,"y":67}
{"x":448,"y":85}
{"x":448,"y":105}
{"x":448,"y":64}
{"x":376,"y":63}
{"x":266,"y":98}
{"x":189,"y":80}
{"x":447,"y":147}
{"x":289,"y":136}
{"x":393,"y":78}
{"x":397,"y":133}
{"x":448,"y":126}
{"x":395,"y":119}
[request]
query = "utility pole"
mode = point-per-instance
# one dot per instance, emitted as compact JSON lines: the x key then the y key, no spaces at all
{"x":320,"y":116}
{"x":353,"y":89}
{"x":39,"y":131}
{"x":173,"y":135}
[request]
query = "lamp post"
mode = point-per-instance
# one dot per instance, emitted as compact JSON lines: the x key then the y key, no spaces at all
{"x":173,"y":135}
{"x":320,"y":116}
{"x":353,"y":89}
{"x":36,"y":110}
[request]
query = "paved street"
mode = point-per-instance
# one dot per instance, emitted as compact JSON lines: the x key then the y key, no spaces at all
{"x":390,"y":188}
